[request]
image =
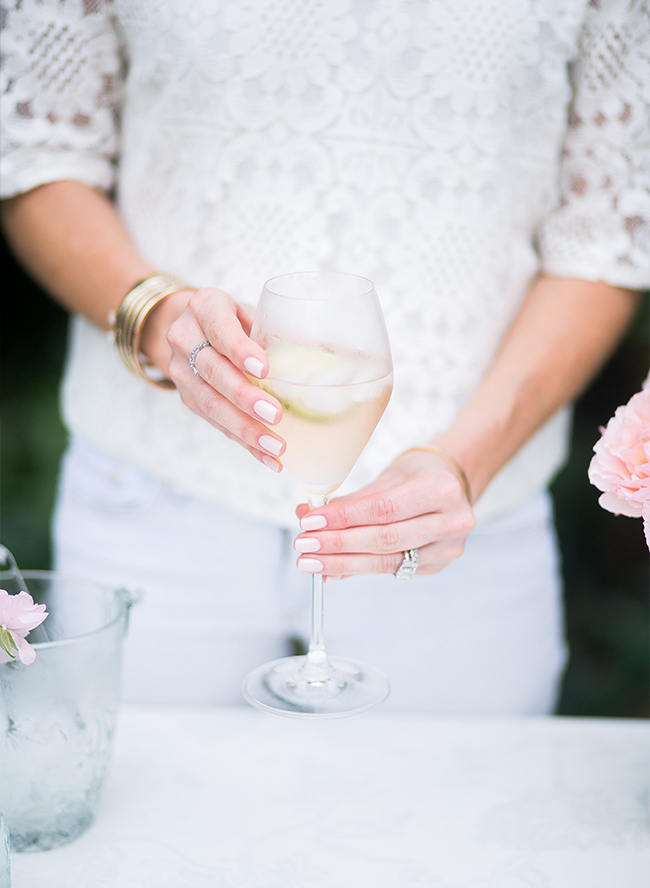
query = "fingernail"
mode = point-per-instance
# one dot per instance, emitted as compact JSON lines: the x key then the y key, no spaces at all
{"x":271,"y":444}
{"x":311,"y":565}
{"x":313,"y":522}
{"x":265,"y":411}
{"x":271,"y":463}
{"x":254,"y":367}
{"x":331,"y":579}
{"x":306,"y":544}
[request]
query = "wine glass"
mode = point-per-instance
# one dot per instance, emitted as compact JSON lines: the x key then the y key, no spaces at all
{"x":330,"y":367}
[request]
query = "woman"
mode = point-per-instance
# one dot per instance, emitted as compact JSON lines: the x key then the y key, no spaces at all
{"x":483,"y":166}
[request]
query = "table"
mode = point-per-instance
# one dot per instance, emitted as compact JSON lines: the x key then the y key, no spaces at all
{"x":232,"y":798}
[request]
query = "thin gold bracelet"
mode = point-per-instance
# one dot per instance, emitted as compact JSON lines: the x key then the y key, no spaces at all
{"x":429,"y":448}
{"x":129,"y":320}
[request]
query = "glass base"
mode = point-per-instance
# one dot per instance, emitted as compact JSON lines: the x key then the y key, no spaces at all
{"x":48,"y":836}
{"x":290,"y":687}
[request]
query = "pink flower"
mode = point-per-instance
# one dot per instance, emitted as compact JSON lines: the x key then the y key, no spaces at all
{"x":18,"y":616}
{"x":621,"y":466}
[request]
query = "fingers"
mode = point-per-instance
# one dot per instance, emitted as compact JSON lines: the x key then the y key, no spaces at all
{"x":433,"y":558}
{"x":214,"y":366}
{"x":385,"y":507}
{"x":221,"y":319}
{"x":223,"y":377}
{"x":245,"y":314}
{"x":379,"y":539}
{"x":222,"y":415}
{"x":422,"y":494}
{"x":221,"y":393}
{"x":429,"y":512}
{"x":380,"y":549}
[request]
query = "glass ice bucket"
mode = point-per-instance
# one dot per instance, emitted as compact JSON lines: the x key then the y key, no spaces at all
{"x":57,"y":715}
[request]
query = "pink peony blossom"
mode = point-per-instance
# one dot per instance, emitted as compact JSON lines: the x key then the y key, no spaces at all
{"x":18,"y":616}
{"x":621,"y":466}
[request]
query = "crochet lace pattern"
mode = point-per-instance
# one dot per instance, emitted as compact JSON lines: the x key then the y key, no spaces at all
{"x":448,"y":150}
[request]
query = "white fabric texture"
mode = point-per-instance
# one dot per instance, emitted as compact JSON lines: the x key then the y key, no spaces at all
{"x":448,"y":150}
{"x":222,"y":594}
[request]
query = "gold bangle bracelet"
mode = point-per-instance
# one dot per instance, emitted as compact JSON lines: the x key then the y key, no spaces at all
{"x":130,"y":319}
{"x":429,"y":448}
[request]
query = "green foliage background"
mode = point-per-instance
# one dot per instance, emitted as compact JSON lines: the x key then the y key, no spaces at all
{"x":605,"y":557}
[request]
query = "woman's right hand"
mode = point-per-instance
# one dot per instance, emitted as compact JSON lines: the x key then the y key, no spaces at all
{"x":221,"y":394}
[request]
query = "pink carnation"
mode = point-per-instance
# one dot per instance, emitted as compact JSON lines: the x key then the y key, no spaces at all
{"x":18,"y":616}
{"x":621,"y":466}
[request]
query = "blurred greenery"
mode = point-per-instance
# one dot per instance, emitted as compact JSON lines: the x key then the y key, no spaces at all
{"x":605,"y":559}
{"x":32,"y":348}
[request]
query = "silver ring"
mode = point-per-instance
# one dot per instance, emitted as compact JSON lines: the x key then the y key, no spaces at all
{"x":410,"y":561}
{"x":194,"y":353}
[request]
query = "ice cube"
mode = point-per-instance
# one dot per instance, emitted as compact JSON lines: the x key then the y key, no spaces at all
{"x":326,"y":401}
{"x":368,"y":391}
{"x":307,"y":365}
{"x":283,"y":391}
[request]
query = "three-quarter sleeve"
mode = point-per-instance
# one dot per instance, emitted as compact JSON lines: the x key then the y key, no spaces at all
{"x":601,"y":228}
{"x":60,"y":93}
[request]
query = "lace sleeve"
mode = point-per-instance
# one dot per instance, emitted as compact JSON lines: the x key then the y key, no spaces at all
{"x":601,"y":228}
{"x":60,"y":87}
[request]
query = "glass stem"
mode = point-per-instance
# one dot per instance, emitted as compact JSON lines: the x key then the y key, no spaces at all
{"x":316,"y":655}
{"x":317,"y":642}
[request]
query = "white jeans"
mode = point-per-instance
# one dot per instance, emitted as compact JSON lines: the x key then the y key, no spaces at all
{"x":222,"y":595}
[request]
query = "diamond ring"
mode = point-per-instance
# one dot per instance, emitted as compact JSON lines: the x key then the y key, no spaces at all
{"x":194,"y":353}
{"x":409,"y":565}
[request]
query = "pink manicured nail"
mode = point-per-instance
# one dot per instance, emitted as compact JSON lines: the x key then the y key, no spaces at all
{"x":271,"y":463}
{"x":311,"y":565}
{"x":313,"y":522}
{"x":254,"y":367}
{"x":306,"y":544}
{"x":265,"y":411}
{"x":271,"y":444}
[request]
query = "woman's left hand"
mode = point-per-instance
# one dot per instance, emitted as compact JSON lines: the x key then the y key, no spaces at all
{"x":418,"y":502}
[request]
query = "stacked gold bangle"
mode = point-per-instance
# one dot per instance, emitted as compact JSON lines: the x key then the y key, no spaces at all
{"x":429,"y":448}
{"x":129,"y":321}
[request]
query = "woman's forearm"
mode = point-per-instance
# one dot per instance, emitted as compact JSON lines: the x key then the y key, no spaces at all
{"x":562,"y":335}
{"x":72,"y":241}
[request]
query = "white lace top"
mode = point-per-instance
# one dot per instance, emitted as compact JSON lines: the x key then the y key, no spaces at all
{"x":448,"y":150}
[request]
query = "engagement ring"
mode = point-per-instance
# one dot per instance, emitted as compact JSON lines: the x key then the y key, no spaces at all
{"x":409,"y":565}
{"x":194,"y":353}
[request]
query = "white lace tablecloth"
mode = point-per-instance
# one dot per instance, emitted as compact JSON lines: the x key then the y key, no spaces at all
{"x":230,"y":798}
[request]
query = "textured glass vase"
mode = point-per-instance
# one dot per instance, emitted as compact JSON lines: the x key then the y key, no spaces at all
{"x":57,"y":715}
